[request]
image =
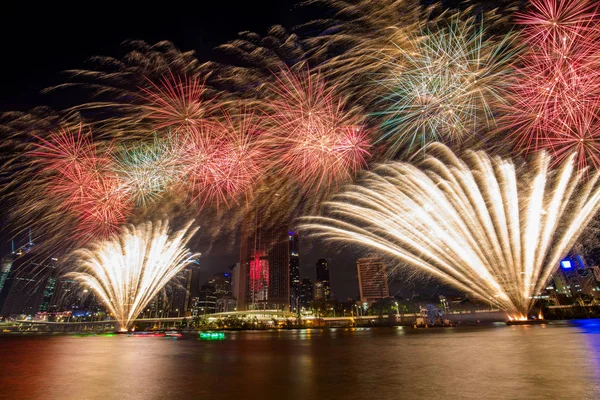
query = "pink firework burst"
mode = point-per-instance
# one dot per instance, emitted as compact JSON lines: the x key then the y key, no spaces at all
{"x":555,"y":97}
{"x":223,"y":160}
{"x":581,"y":135}
{"x":549,"y":21}
{"x":317,"y":141}
{"x":66,"y":152}
{"x":103,"y":209}
{"x":80,"y":179}
{"x":176,"y":102}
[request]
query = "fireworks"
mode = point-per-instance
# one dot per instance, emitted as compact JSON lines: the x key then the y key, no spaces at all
{"x":555,"y":99}
{"x":176,"y":103}
{"x":355,"y":45}
{"x":128,"y":270}
{"x":446,"y":87}
{"x":476,"y":223}
{"x":79,"y":178}
{"x":319,"y":142}
{"x":148,"y":169}
{"x":222,"y":160}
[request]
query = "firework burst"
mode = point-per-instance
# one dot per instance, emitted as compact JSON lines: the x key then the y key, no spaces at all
{"x":475,"y":223}
{"x":446,"y":87}
{"x":554,"y":100}
{"x":128,"y":270}
{"x":78,"y":176}
{"x":357,"y":42}
{"x":148,"y":169}
{"x":175,"y":102}
{"x":222,"y":160}
{"x":318,"y":141}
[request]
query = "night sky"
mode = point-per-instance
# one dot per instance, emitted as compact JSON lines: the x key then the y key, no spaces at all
{"x":38,"y":48}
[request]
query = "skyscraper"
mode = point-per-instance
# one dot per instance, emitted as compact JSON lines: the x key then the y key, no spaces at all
{"x":179,"y":292}
{"x":306,"y":293}
{"x":323,"y":277}
{"x":264,"y":273}
{"x":28,"y":288}
{"x":372,"y":279}
{"x":294,"y":270}
{"x":5,"y":267}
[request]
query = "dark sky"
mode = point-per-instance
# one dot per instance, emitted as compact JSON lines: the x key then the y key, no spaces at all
{"x":37,"y":48}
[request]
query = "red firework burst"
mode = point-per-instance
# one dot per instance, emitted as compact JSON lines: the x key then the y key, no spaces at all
{"x":223,"y":160}
{"x":556,"y":96}
{"x":66,"y":152}
{"x":318,"y":142}
{"x":581,"y":135}
{"x":176,"y":103}
{"x":79,"y":177}
{"x":549,"y":21}
{"x":103,"y":209}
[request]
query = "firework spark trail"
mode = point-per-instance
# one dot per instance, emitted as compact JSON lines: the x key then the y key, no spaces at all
{"x":476,"y":223}
{"x":357,"y":42}
{"x":149,"y":169}
{"x":446,"y":86}
{"x":78,"y":176}
{"x":126,"y":91}
{"x":555,"y":97}
{"x":175,"y":102}
{"x":128,"y":270}
{"x":315,"y":139}
{"x":223,"y":159}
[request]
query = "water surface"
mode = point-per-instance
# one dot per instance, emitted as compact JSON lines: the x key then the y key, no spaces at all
{"x":558,"y":361}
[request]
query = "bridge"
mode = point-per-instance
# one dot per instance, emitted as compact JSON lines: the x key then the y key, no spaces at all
{"x":277,"y":316}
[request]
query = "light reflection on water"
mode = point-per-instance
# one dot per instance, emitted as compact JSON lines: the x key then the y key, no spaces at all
{"x":559,"y":361}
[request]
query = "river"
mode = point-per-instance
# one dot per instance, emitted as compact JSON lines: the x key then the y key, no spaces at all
{"x":556,"y":361}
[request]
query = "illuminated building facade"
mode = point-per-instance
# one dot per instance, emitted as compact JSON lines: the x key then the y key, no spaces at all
{"x":574,"y":279}
{"x":263,"y":278}
{"x":178,"y":291}
{"x":323,"y":277}
{"x":372,"y":279}
{"x":5,"y":267}
{"x":28,"y":289}
{"x":206,"y":302}
{"x":306,"y":293}
{"x":294,"y":250}
{"x":318,"y":291}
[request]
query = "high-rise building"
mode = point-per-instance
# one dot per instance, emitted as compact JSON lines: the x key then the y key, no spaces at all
{"x":306,"y":293}
{"x":264,"y":272}
{"x":28,"y":288}
{"x":323,"y":277}
{"x":70,"y":295}
{"x":5,"y":268}
{"x":319,"y":291}
{"x":294,"y":263}
{"x":222,"y":284}
{"x":178,"y":291}
{"x":372,"y":279}
{"x":48,"y":294}
{"x":206,"y":302}
{"x":574,"y":279}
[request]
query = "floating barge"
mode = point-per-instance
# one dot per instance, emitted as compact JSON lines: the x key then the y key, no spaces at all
{"x":527,"y":322}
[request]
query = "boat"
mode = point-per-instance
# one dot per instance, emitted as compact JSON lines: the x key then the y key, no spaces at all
{"x":212,"y":335}
{"x":526,"y":322}
{"x":146,"y":334}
